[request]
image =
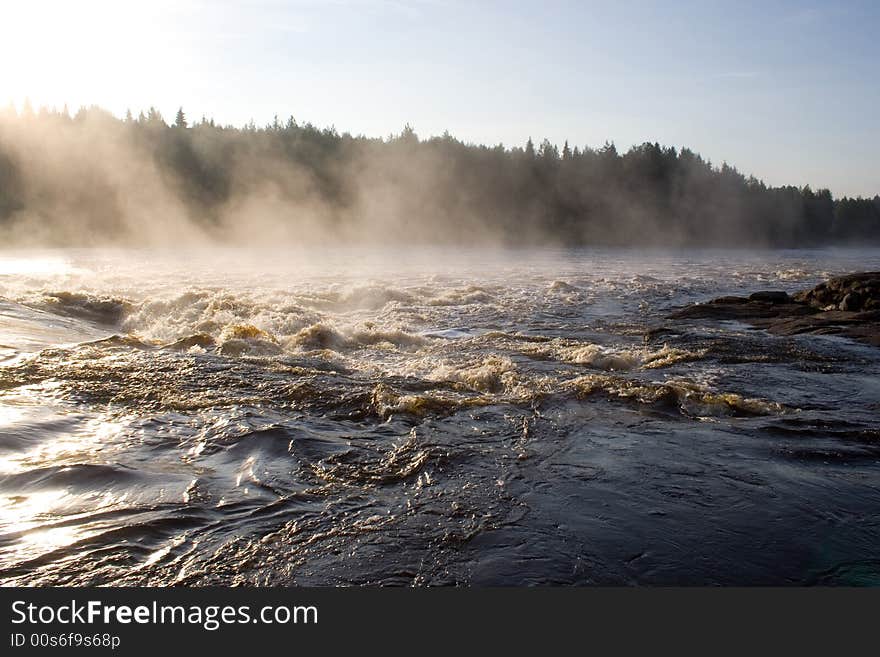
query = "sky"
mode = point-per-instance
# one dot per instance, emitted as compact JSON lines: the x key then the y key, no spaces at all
{"x":787,"y":91}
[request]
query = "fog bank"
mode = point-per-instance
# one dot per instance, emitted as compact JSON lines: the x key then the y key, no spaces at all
{"x":94,"y":179}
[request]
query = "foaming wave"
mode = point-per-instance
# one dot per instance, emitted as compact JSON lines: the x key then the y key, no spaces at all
{"x":471,"y":294}
{"x":91,"y":307}
{"x":215,"y":312}
{"x":238,"y":339}
{"x":795,"y":274}
{"x":492,"y":374}
{"x":612,"y":360}
{"x":325,"y":336}
{"x":272,"y":323}
{"x":562,"y":286}
{"x":362,"y":297}
{"x":387,"y":402}
{"x":690,"y":398}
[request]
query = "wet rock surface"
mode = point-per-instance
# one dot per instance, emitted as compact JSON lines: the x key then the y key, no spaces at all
{"x":848,"y":306}
{"x":851,"y":293}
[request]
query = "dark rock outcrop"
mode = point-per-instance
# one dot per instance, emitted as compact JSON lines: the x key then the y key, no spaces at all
{"x":851,"y":293}
{"x":745,"y":308}
{"x":770,"y":296}
{"x":848,"y":306}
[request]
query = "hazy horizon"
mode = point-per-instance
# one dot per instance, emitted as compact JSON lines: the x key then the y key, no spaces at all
{"x":92,"y":178}
{"x":27,"y":106}
{"x":776,"y":89}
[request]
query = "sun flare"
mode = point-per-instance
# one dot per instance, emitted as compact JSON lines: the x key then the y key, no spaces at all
{"x":77,"y":52}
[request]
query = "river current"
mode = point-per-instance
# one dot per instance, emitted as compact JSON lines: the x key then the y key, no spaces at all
{"x":428,"y":417}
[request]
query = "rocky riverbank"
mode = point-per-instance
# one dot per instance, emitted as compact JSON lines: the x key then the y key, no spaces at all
{"x":847,"y":306}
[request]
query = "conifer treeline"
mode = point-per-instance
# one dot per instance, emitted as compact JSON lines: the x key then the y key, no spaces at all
{"x":437,"y":189}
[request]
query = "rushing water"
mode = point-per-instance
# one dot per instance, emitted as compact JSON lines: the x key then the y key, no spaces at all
{"x":427,"y":417}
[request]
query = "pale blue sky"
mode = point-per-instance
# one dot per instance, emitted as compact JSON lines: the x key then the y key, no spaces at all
{"x":785,"y":90}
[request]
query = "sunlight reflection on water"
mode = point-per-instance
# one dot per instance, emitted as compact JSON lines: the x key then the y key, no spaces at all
{"x":22,"y":266}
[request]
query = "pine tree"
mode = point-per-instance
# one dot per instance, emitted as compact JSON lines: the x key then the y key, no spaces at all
{"x":409,"y":135}
{"x":154,"y":117}
{"x":180,"y":119}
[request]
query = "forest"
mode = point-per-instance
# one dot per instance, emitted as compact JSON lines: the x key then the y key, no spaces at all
{"x":93,"y":178}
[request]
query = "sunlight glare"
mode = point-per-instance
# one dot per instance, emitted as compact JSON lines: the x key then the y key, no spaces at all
{"x":75,"y":52}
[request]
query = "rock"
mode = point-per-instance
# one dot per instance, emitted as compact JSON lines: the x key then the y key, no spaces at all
{"x":865,"y":286}
{"x":864,"y":327}
{"x":770,"y":296}
{"x":742,"y":308}
{"x":852,"y":302}
{"x":847,"y":306}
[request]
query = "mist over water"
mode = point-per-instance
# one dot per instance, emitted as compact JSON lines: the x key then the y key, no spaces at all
{"x":425,"y":415}
{"x":95,"y":180}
